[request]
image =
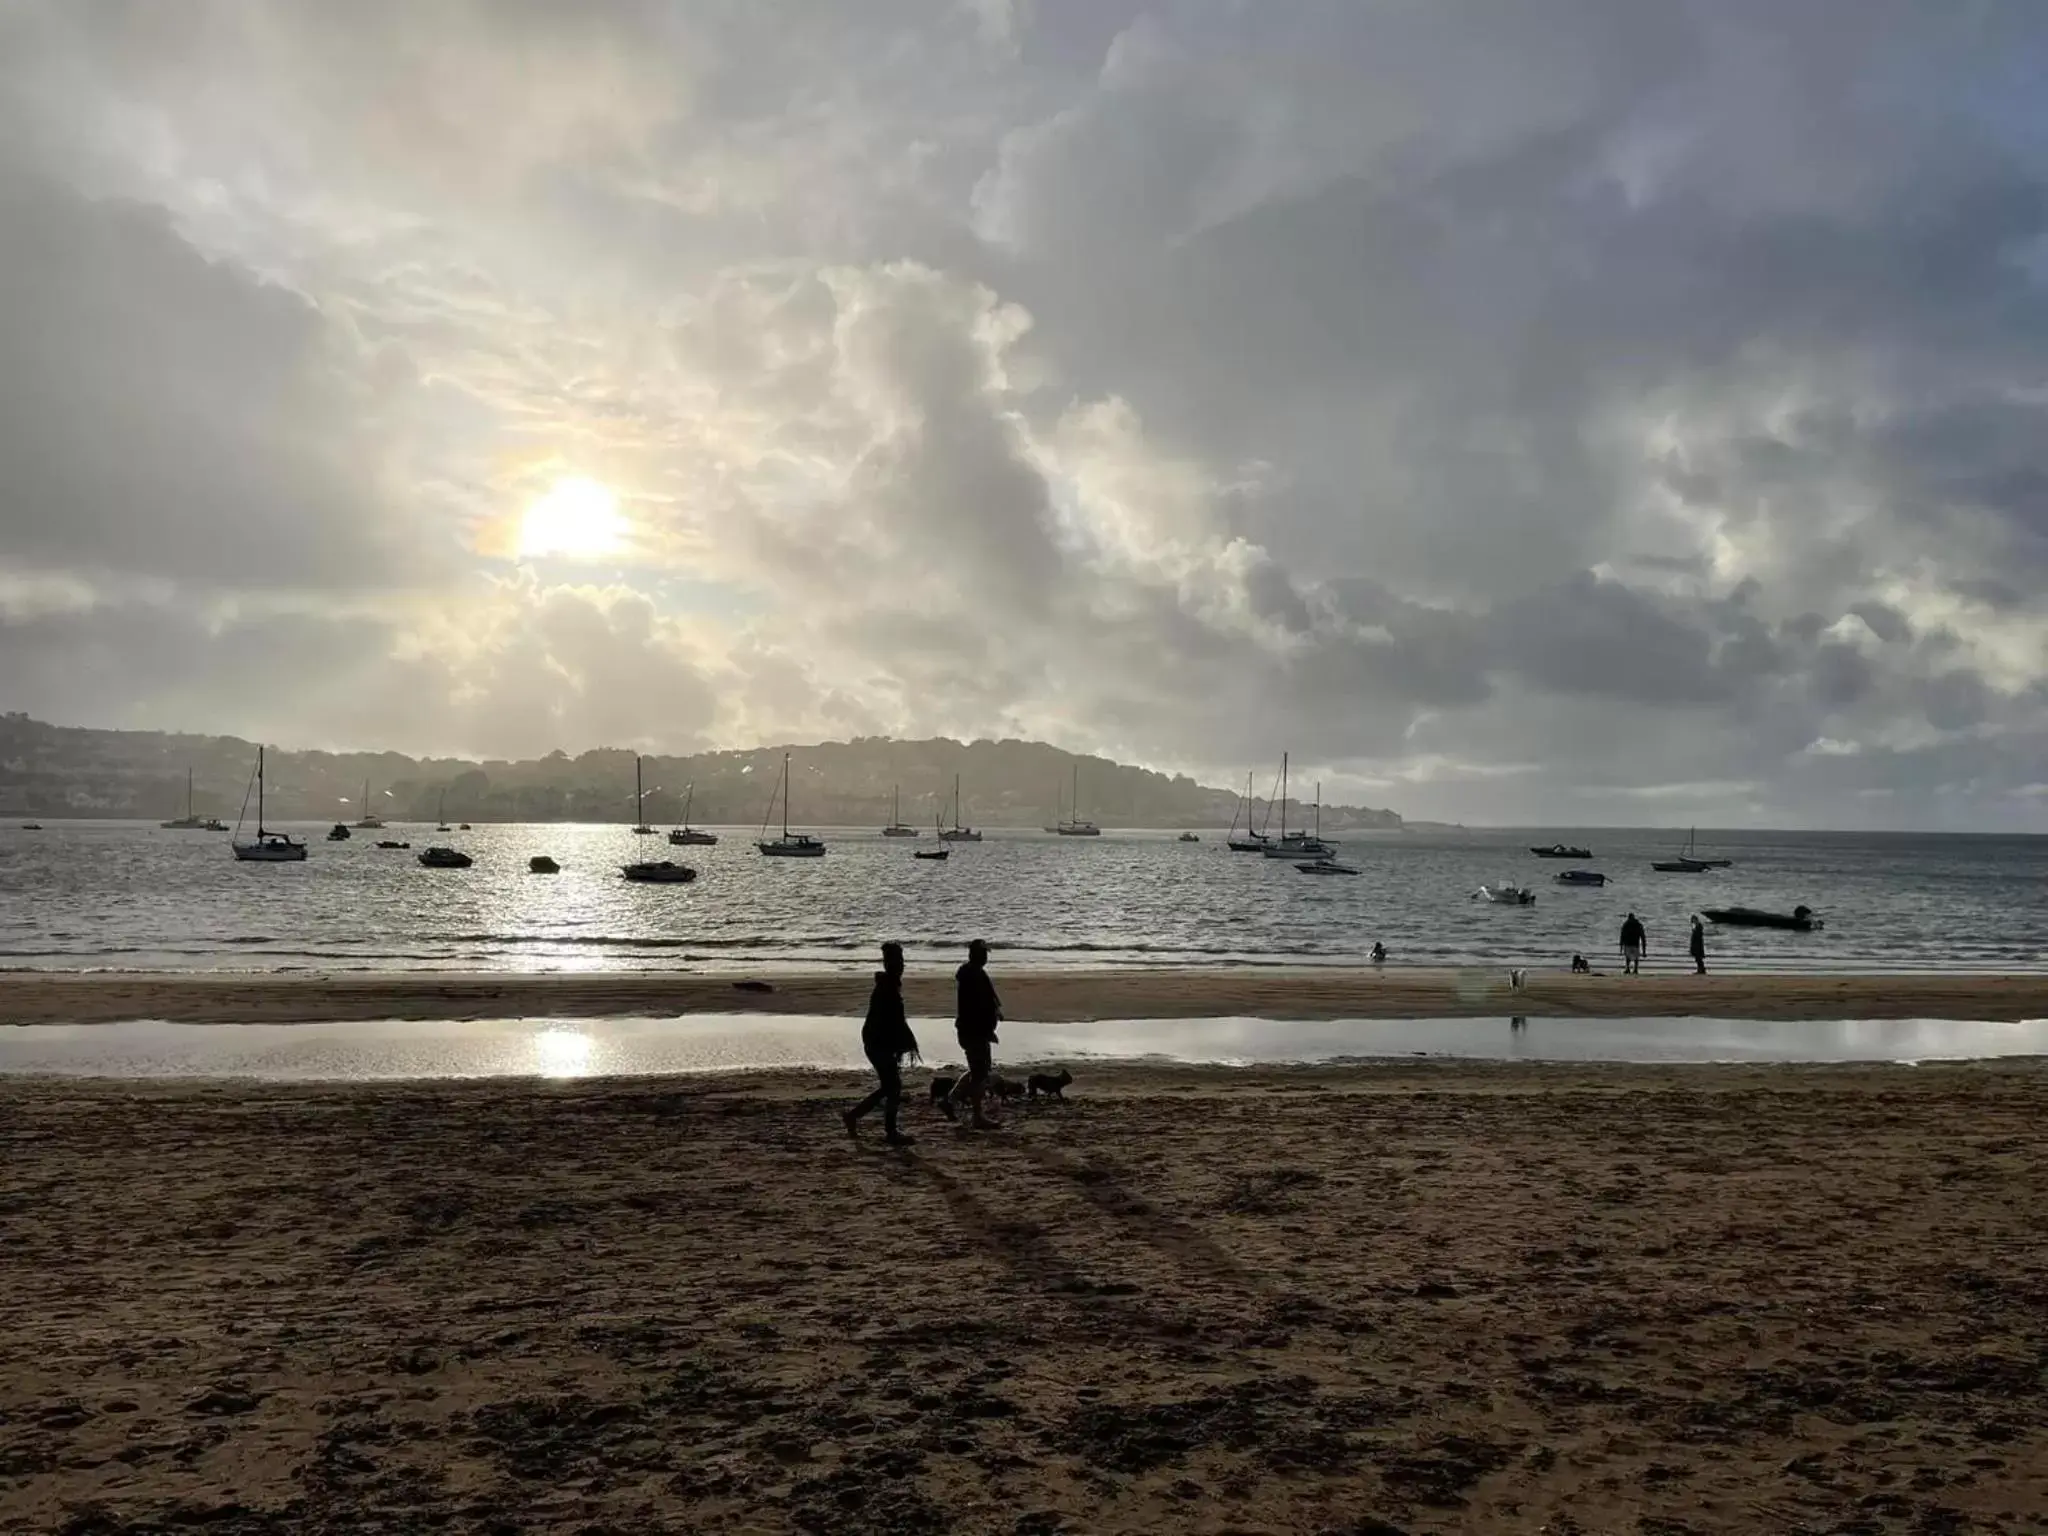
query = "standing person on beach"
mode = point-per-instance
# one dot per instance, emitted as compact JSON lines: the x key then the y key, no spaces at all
{"x":887,"y":1039}
{"x":978,"y":1012}
{"x":1633,"y":942}
{"x":1698,"y":946}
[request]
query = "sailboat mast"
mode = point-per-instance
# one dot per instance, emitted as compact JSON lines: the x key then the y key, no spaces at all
{"x":1283,"y":797}
{"x":188,"y":794}
{"x":785,"y":797}
{"x":259,"y":793}
{"x":1074,"y":814}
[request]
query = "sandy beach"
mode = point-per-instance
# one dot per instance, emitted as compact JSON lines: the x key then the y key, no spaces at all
{"x":1402,"y":1298}
{"x":1045,"y":996}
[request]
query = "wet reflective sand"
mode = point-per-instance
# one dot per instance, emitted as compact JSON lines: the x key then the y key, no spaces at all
{"x":373,"y":1050}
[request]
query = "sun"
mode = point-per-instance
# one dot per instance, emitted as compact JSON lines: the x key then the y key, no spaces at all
{"x":577,"y":517}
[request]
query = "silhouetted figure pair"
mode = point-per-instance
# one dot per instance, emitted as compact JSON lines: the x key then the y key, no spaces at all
{"x":887,"y":1039}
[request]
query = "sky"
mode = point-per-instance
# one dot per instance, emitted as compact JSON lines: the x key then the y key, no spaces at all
{"x":1524,"y":411}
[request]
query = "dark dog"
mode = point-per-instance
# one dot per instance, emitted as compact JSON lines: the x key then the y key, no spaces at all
{"x":1005,"y":1089}
{"x":1050,"y":1083}
{"x":942,"y":1095}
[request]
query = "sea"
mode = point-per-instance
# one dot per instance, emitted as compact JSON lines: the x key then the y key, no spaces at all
{"x":129,"y":896}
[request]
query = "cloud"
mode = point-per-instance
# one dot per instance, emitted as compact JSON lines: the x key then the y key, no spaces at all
{"x":1643,"y":397}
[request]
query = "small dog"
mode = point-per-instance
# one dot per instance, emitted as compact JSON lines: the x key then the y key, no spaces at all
{"x":1579,"y":966}
{"x":1005,"y":1089}
{"x":1050,"y":1084}
{"x":942,"y":1095}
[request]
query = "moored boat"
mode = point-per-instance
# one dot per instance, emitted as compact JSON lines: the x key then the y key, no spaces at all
{"x":541,"y":864}
{"x":439,"y":857}
{"x":270,"y":847}
{"x":1505,"y":895}
{"x":1580,"y":877}
{"x":1561,"y":851}
{"x":659,"y":872}
{"x":896,"y":828}
{"x":1800,"y":919}
{"x":338,"y":833}
{"x":800,"y":846}
{"x":1325,"y":867}
{"x":683,"y":835}
{"x":931,"y":853}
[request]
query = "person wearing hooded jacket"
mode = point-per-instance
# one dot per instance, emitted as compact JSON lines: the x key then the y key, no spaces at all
{"x":886,"y":1038}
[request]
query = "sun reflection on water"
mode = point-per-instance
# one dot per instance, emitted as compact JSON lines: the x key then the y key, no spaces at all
{"x":563,"y":1053}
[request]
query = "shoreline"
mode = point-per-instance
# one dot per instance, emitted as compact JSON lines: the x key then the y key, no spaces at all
{"x":1065,"y":996}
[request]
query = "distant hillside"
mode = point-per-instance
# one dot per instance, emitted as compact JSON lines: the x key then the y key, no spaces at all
{"x":52,"y":771}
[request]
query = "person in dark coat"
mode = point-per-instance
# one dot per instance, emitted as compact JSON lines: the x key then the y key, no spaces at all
{"x":1698,"y":947}
{"x":975,"y":1018}
{"x":1633,"y":942}
{"x":886,"y":1037}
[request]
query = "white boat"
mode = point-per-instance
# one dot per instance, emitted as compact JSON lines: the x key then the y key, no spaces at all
{"x":659,"y":872}
{"x":686,"y":836}
{"x":1508,"y":895}
{"x":370,"y":821}
{"x":270,"y":847}
{"x":1073,"y":825}
{"x":957,"y":833}
{"x":1297,"y":845}
{"x":1253,"y":841}
{"x":896,"y":828}
{"x":190,"y":823}
{"x":640,"y":827}
{"x":802,"y":845}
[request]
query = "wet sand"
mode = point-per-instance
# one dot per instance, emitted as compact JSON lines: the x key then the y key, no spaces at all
{"x":1045,"y":996}
{"x":1417,"y":1298}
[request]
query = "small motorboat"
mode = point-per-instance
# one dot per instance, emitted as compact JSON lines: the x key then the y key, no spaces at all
{"x":1506,"y":895}
{"x":1580,"y":877}
{"x":462,"y":826}
{"x":541,"y":864}
{"x":1800,"y":919}
{"x":446,"y":858}
{"x":1188,"y":837}
{"x":1325,"y":867}
{"x":338,"y":833}
{"x":1560,"y":851}
{"x":31,"y":826}
{"x":930,"y":853}
{"x":659,"y":872}
{"x":386,"y":842}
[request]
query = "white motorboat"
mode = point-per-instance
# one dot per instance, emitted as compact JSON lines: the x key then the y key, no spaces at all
{"x":800,"y":846}
{"x":270,"y":847}
{"x":1506,"y":895}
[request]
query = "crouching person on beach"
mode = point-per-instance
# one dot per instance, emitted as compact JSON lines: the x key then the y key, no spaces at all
{"x":887,"y":1039}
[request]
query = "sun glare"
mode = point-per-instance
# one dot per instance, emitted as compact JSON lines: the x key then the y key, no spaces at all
{"x":577,"y":517}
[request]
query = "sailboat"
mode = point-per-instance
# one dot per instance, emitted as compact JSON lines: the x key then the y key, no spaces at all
{"x":640,"y":827}
{"x":1688,"y":861}
{"x":802,"y":845}
{"x":190,"y":823}
{"x":896,"y":827}
{"x":933,"y":853}
{"x":370,"y":819}
{"x":957,"y":833}
{"x":1296,"y":845}
{"x":1253,"y":840}
{"x":686,"y":836}
{"x":443,"y":813}
{"x":1323,"y":862}
{"x":1073,"y":825}
{"x":269,"y":847}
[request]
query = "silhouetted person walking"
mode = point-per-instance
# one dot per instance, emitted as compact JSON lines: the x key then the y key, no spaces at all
{"x":887,"y":1039}
{"x":1633,"y":942}
{"x":1698,"y":947}
{"x":978,"y":1012}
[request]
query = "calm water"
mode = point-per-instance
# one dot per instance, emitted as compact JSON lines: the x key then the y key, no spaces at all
{"x":107,"y":895}
{"x":379,"y":1051}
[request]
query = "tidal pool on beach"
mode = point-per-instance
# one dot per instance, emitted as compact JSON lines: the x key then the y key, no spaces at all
{"x":384,"y":1050}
